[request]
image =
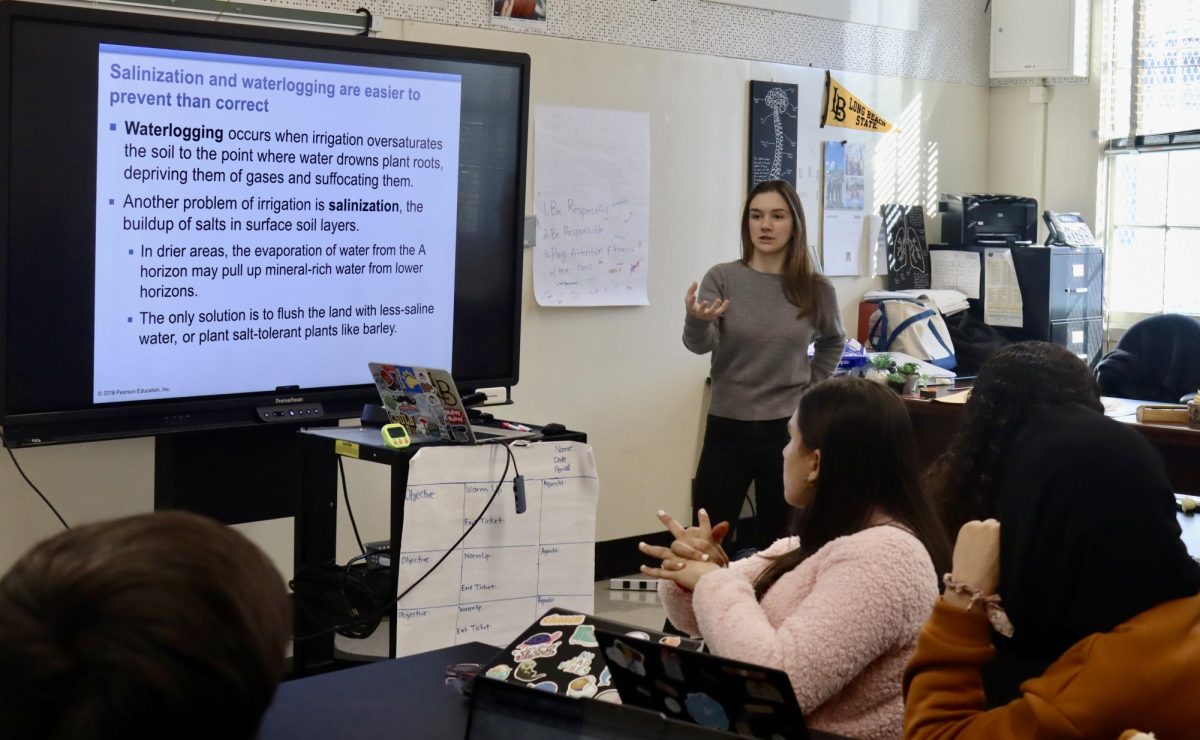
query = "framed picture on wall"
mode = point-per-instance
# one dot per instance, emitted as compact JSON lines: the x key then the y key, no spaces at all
{"x":504,"y":11}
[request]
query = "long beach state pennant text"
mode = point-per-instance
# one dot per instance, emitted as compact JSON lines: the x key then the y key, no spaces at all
{"x":842,"y":108}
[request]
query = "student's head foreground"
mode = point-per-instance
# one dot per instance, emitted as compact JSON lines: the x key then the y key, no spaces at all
{"x":1010,"y":387}
{"x":852,"y":460}
{"x":1088,"y":538}
{"x":165,"y":625}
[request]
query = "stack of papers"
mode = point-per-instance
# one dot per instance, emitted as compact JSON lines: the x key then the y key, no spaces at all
{"x":959,"y":397}
{"x":947,"y":301}
{"x":1118,"y":407}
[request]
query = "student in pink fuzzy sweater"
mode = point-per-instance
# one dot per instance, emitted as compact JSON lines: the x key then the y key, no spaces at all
{"x":838,"y":607}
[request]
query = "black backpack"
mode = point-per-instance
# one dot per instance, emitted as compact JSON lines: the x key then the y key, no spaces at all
{"x":974,"y":341}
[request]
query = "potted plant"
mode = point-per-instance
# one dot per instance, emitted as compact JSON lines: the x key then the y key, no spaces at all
{"x":880,"y":367}
{"x":905,"y":378}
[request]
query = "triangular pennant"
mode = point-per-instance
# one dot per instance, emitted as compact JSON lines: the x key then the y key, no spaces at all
{"x":841,"y":108}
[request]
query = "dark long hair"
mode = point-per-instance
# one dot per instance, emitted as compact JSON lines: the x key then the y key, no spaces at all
{"x":800,"y":274}
{"x":1016,"y":381}
{"x":868,"y":464}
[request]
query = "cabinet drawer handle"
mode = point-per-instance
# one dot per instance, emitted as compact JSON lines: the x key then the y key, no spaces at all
{"x":1076,"y":290}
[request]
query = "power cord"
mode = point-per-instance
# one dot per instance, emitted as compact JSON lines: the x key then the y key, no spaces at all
{"x":349,"y":509}
{"x":373,"y":618}
{"x":35,"y":488}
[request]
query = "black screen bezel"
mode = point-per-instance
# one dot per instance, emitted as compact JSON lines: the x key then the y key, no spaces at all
{"x":488,"y":359}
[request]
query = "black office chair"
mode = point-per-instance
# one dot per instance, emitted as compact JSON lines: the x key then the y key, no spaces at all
{"x":1158,"y":359}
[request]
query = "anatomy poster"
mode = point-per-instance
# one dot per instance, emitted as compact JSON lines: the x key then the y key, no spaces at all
{"x":907,"y":250}
{"x":772,"y":132}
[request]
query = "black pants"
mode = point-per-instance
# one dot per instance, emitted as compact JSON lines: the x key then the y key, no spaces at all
{"x":734,"y":454}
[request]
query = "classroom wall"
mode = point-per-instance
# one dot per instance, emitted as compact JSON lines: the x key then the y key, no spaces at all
{"x":1049,"y":151}
{"x":620,"y":374}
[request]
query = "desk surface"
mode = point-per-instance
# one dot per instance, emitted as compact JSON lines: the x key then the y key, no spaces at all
{"x":935,"y":422}
{"x":407,"y":697}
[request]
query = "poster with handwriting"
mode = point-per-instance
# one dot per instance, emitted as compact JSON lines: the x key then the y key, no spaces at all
{"x":592,"y":202}
{"x":512,"y":567}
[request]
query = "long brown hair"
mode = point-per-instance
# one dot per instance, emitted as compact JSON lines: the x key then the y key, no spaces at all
{"x":964,"y":481}
{"x":868,"y":464}
{"x":800,"y":274}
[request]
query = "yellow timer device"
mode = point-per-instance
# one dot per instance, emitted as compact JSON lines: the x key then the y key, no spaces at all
{"x":395,"y":435}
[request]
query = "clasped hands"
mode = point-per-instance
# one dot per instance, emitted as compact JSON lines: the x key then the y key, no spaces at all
{"x":695,"y":552}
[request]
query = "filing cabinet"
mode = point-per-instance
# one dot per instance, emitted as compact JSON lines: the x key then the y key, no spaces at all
{"x":1062,"y":291}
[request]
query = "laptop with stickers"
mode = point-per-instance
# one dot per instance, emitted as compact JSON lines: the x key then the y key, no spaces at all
{"x":427,"y":402}
{"x":560,"y":654}
{"x":707,"y":690}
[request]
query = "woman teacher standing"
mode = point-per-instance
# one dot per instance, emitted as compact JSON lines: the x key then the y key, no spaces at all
{"x":757,"y":316}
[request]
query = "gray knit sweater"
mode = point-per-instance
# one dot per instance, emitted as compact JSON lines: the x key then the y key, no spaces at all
{"x":759,"y":348}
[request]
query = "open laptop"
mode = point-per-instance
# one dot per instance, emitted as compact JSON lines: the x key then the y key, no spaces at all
{"x":502,"y":710}
{"x":710,"y":691}
{"x":426,"y":401}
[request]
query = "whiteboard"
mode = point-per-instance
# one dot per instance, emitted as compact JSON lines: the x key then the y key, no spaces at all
{"x":512,"y":567}
{"x":902,"y":14}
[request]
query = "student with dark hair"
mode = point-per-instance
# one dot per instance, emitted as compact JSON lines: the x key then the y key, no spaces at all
{"x":839,"y":606}
{"x":1094,"y":586}
{"x":1011,"y":387}
{"x":165,"y":625}
{"x":757,"y":315}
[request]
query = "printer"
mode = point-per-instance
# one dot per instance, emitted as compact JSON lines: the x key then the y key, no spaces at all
{"x":988,"y":219}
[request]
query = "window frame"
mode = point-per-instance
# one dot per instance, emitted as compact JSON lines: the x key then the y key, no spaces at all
{"x":1129,"y":144}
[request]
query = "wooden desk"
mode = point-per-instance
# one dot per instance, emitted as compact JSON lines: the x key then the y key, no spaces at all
{"x":935,"y":424}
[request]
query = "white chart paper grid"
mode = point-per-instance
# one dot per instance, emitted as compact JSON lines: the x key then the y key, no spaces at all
{"x":512,"y":567}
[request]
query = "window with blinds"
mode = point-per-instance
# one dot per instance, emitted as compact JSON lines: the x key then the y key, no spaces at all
{"x":1150,"y":86}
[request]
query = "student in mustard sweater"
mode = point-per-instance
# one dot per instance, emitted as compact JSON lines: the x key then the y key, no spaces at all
{"x":1097,"y":595}
{"x":838,"y":608}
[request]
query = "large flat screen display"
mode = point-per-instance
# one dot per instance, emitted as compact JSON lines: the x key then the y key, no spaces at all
{"x":202,"y":219}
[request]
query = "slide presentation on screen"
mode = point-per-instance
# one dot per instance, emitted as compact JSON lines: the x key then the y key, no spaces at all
{"x":269,"y":222}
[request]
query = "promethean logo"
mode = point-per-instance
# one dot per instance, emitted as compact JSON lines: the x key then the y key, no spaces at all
{"x":293,"y":399}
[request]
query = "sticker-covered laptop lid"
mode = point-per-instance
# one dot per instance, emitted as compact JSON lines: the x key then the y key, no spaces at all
{"x":705,"y":689}
{"x":429,"y":410}
{"x":560,"y":653}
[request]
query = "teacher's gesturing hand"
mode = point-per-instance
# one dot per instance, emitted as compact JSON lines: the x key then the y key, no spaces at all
{"x":704,"y":310}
